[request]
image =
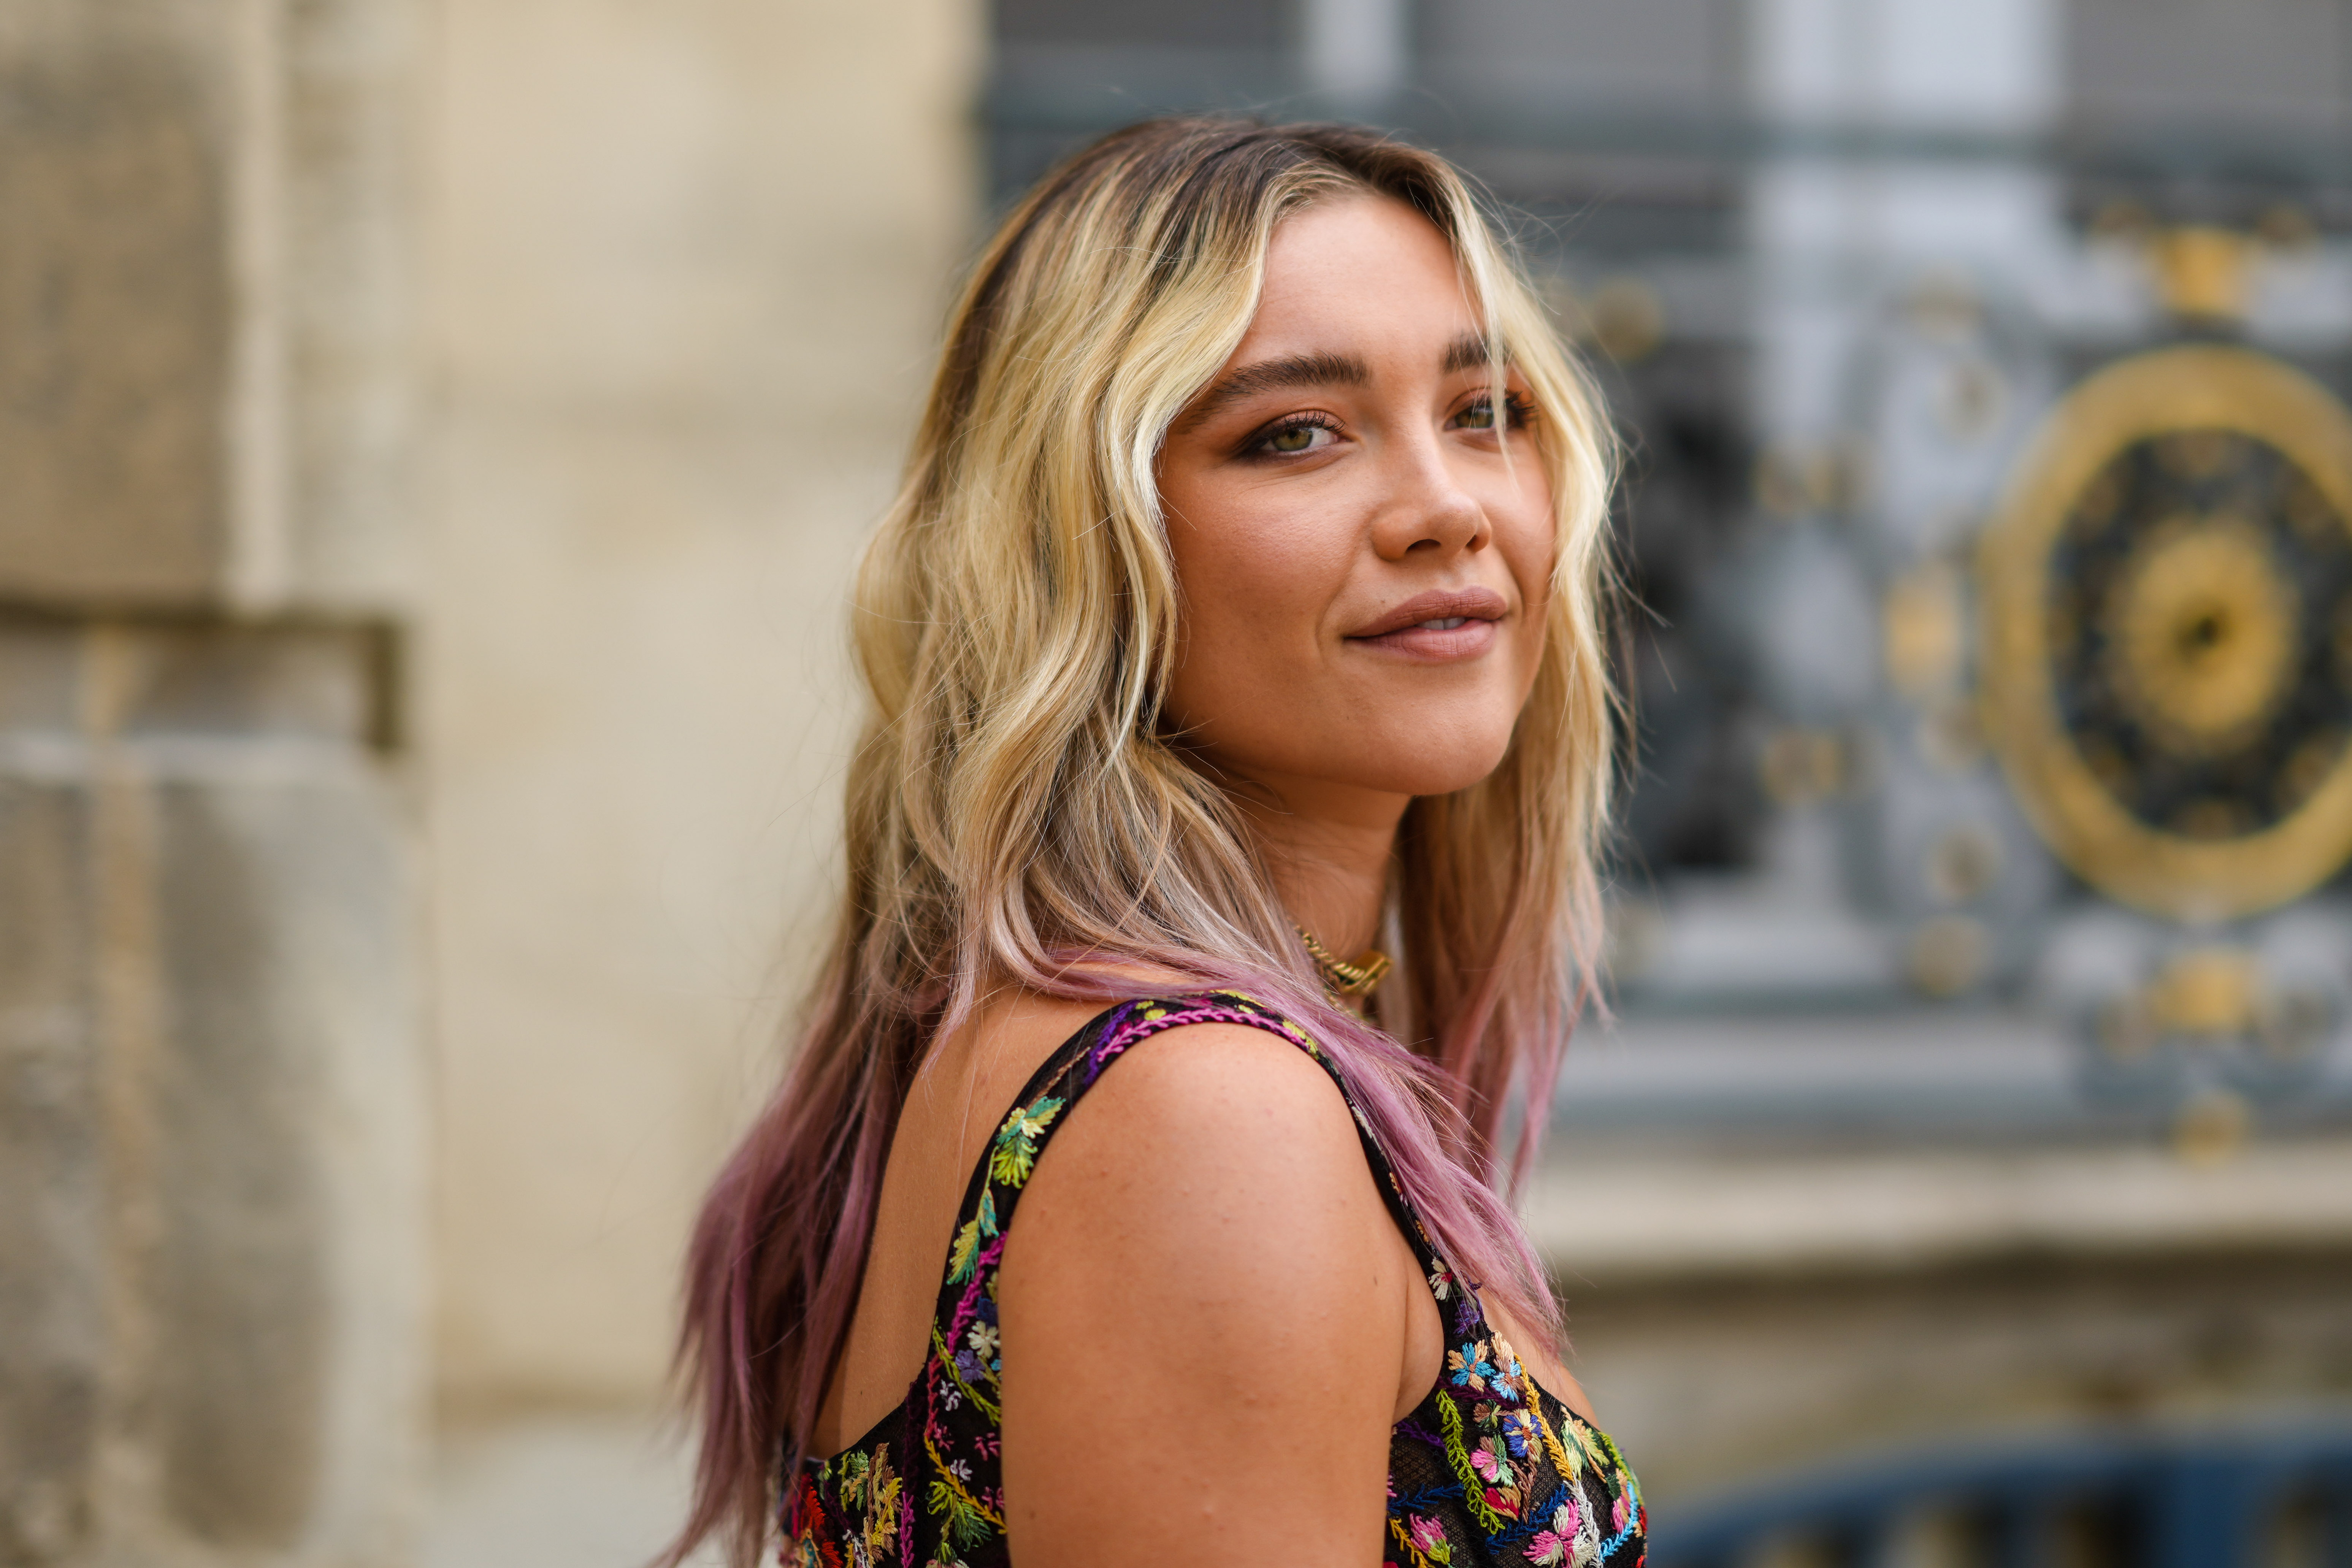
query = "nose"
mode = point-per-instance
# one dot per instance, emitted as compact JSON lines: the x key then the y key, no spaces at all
{"x":1425,"y":512}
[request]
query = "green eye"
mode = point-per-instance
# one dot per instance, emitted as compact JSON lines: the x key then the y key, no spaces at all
{"x":1294,"y":440}
{"x":1477,"y":417}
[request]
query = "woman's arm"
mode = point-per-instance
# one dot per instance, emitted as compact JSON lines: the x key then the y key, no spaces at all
{"x":1207,"y":1313}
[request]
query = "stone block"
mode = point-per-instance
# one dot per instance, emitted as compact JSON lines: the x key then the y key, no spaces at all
{"x":205,"y":327}
{"x":115,"y":328}
{"x":39,"y":693}
{"x":316,"y":683}
{"x":349,"y":255}
{"x":212,"y":1142}
{"x":243,"y":1325}
{"x":53,"y":1170}
{"x":1713,"y":1383}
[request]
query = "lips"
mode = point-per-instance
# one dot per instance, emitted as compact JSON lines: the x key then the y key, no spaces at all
{"x":1454,"y":605}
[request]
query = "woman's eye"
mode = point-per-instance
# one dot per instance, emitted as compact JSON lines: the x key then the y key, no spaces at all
{"x":1480,"y":414}
{"x":1293,"y":440}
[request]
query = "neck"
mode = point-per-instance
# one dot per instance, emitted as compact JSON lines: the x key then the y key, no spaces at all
{"x":1328,"y":848}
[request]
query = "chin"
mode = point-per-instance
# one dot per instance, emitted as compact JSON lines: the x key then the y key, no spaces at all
{"x":1417,"y":760}
{"x":1436,"y":777}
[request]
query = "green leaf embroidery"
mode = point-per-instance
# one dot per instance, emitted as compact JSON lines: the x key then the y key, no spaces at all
{"x":1457,"y":1458}
{"x":964,"y":1254}
{"x":882,"y":1489}
{"x":966,"y":1526}
{"x":1015,"y":1152}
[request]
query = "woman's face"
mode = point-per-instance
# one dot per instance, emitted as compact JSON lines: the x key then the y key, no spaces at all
{"x":1364,"y":574}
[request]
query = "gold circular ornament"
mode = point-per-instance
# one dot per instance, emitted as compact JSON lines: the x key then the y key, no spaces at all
{"x":2168,"y":632}
{"x":2201,"y":637}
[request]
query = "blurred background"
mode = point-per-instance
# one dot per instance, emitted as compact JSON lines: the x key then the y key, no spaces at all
{"x":433,"y":438}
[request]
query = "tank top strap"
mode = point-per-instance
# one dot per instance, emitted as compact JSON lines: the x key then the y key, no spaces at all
{"x":964,"y":1328}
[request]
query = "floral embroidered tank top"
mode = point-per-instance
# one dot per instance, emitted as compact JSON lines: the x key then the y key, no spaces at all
{"x":1487,"y":1470}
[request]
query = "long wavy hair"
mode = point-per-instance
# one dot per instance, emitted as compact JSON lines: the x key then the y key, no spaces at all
{"x":1018,"y":816}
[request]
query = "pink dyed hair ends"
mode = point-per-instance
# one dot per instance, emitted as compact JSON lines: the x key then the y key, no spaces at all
{"x":772,"y":1272}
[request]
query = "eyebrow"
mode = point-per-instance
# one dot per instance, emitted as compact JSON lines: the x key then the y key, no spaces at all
{"x":1469,"y":351}
{"x":1322,"y":368}
{"x":1319,"y":369}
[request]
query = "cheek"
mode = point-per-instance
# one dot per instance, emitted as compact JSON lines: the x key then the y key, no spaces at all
{"x":1255,"y":683}
{"x":1525,"y":534}
{"x":1252,"y":583}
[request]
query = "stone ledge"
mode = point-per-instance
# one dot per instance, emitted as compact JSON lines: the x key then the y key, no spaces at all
{"x":1651,"y":1219}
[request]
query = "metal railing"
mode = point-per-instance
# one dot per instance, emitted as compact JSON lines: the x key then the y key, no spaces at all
{"x":2269,"y":1498}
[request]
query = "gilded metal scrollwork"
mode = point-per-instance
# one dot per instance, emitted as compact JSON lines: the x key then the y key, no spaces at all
{"x":2166,"y":649}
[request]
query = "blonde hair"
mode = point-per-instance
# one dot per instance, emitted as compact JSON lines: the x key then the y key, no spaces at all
{"x":1016,"y":809}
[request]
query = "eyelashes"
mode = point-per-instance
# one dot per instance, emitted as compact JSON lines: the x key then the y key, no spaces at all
{"x":1479,"y":414}
{"x":1297,"y":434}
{"x":1294,"y":435}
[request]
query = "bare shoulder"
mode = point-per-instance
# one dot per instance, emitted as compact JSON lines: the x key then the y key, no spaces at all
{"x":1203,"y":1089}
{"x":1204,"y":1241}
{"x":1209,"y":1134}
{"x":1217,"y":1088}
{"x":1214,"y":1151}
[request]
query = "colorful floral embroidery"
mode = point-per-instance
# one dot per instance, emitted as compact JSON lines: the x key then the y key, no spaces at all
{"x":1555,"y":1545}
{"x":1469,"y":1366}
{"x":1488,"y":1470}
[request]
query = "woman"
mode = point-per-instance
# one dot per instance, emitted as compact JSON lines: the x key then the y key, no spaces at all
{"x":1239,"y":608}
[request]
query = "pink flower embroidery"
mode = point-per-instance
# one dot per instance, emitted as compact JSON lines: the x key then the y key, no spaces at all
{"x":1551,"y":1546}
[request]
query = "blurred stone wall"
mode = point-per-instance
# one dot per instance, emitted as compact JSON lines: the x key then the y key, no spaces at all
{"x":212,"y":1095}
{"x":1741,"y":1310}
{"x":689,"y":262}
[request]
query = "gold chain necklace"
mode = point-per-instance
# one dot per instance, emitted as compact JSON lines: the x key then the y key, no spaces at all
{"x":1346,"y":981}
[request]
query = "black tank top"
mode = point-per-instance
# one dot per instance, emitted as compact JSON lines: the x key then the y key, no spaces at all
{"x":1488,"y":1468}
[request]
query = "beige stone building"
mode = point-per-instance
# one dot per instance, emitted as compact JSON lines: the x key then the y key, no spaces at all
{"x":214,"y":1088}
{"x":433,"y":438}
{"x":686,"y":264}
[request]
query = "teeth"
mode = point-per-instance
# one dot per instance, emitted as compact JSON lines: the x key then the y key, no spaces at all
{"x":1445,"y":623}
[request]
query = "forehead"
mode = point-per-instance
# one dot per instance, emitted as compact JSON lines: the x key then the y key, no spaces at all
{"x":1359,"y":272}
